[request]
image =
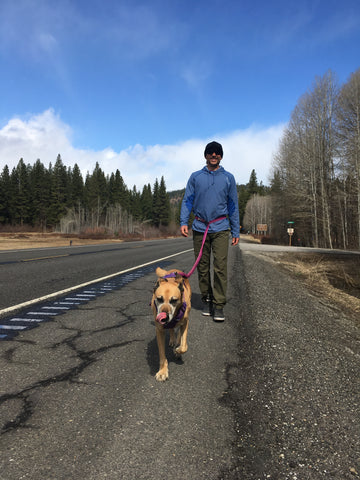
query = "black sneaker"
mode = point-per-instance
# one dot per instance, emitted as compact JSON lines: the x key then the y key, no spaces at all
{"x":207,"y":309}
{"x":219,"y":315}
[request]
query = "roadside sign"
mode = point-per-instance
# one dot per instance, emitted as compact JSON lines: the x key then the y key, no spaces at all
{"x":290,"y":231}
{"x":261,"y":227}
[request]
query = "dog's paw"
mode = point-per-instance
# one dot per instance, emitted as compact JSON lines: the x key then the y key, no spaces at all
{"x":162,"y":375}
{"x":178,"y":351}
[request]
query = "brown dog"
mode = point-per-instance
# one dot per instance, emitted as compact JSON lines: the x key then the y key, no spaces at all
{"x":171,"y":305}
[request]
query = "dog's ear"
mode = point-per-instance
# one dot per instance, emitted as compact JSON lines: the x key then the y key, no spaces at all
{"x":160,"y":272}
{"x":179,"y":279}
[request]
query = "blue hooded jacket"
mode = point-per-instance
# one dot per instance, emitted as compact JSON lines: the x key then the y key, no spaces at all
{"x":211,"y":194}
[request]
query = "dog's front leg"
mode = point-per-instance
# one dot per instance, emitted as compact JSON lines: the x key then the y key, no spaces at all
{"x":182,"y":338}
{"x":172,"y":341}
{"x":163,"y":373}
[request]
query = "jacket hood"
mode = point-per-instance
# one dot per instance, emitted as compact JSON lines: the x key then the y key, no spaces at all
{"x":218,"y":170}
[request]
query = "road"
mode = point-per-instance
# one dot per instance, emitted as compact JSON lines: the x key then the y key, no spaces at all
{"x":273,"y":392}
{"x":33,"y":273}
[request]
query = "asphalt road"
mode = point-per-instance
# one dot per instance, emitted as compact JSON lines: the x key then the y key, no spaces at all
{"x":273,"y":392}
{"x":33,"y":273}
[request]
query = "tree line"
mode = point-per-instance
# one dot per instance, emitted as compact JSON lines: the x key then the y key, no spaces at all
{"x":315,"y":183}
{"x":315,"y":180}
{"x":58,"y":197}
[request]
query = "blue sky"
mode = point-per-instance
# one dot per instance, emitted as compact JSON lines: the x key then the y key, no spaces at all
{"x":143,"y":85}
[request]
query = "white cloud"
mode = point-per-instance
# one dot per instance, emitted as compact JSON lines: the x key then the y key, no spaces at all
{"x":44,"y":136}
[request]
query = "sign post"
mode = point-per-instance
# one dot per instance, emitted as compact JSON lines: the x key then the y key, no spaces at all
{"x":290,"y":231}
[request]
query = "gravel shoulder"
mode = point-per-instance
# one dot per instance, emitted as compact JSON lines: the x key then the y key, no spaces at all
{"x":294,"y":388}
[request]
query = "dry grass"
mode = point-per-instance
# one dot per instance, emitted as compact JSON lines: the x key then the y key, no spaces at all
{"x":333,"y":277}
{"x":16,"y":241}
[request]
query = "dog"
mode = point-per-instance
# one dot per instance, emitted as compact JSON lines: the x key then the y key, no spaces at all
{"x":171,"y":305}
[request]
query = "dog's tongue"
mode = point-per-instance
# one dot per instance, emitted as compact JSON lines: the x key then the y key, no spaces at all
{"x":161,"y":317}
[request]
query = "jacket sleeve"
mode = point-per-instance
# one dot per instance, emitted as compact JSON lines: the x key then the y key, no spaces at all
{"x":233,"y":209}
{"x":187,"y":203}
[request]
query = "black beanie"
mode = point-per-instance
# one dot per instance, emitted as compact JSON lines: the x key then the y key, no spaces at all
{"x":213,"y":147}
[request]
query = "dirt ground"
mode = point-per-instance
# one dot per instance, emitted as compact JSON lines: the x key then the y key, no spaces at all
{"x":335,"y":278}
{"x":15,"y":241}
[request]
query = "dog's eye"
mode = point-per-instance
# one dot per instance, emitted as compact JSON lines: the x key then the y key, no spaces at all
{"x":174,"y":301}
{"x":160,"y":299}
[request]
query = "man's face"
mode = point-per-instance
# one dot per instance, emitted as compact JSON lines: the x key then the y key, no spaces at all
{"x":213,"y":160}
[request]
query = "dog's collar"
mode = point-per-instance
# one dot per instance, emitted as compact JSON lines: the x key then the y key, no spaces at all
{"x":179,"y":315}
{"x":174,"y":275}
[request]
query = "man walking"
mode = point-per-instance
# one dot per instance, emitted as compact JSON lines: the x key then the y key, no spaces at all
{"x":211,"y":194}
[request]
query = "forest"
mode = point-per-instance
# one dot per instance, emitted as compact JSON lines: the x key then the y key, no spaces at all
{"x":58,"y":198}
{"x":315,"y":180}
{"x":314,"y":186}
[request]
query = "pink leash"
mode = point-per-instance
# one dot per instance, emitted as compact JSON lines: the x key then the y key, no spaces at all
{"x":202,"y":246}
{"x":162,"y":315}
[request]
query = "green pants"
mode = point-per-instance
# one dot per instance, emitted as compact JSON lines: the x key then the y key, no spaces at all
{"x":216,"y":244}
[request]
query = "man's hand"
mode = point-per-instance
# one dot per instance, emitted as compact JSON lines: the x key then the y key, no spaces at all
{"x":184,"y":230}
{"x":235,"y":241}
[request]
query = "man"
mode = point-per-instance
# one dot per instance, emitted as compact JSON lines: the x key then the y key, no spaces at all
{"x":211,"y":194}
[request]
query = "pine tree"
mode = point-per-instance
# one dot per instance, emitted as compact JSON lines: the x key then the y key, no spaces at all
{"x":77,"y":186}
{"x":59,"y":190}
{"x":135,"y":204}
{"x":253,"y":186}
{"x":21,"y":194}
{"x":95,"y":188}
{"x":5,"y":196}
{"x":156,"y":207}
{"x":164,"y":204}
{"x":96,"y":198}
{"x":40,"y":183}
{"x":118,"y":194}
{"x":146,"y":203}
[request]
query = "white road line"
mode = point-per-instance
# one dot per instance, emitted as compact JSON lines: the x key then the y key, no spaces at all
{"x":55,"y":308}
{"x":28,"y":320}
{"x":76,"y":287}
{"x":12,"y":327}
{"x":43,"y":313}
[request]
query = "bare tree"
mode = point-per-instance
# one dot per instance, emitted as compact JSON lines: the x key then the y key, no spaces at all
{"x":305,"y":163}
{"x":348,"y":129}
{"x":258,"y":210}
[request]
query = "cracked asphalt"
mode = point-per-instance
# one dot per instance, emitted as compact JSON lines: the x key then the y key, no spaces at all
{"x":273,"y":392}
